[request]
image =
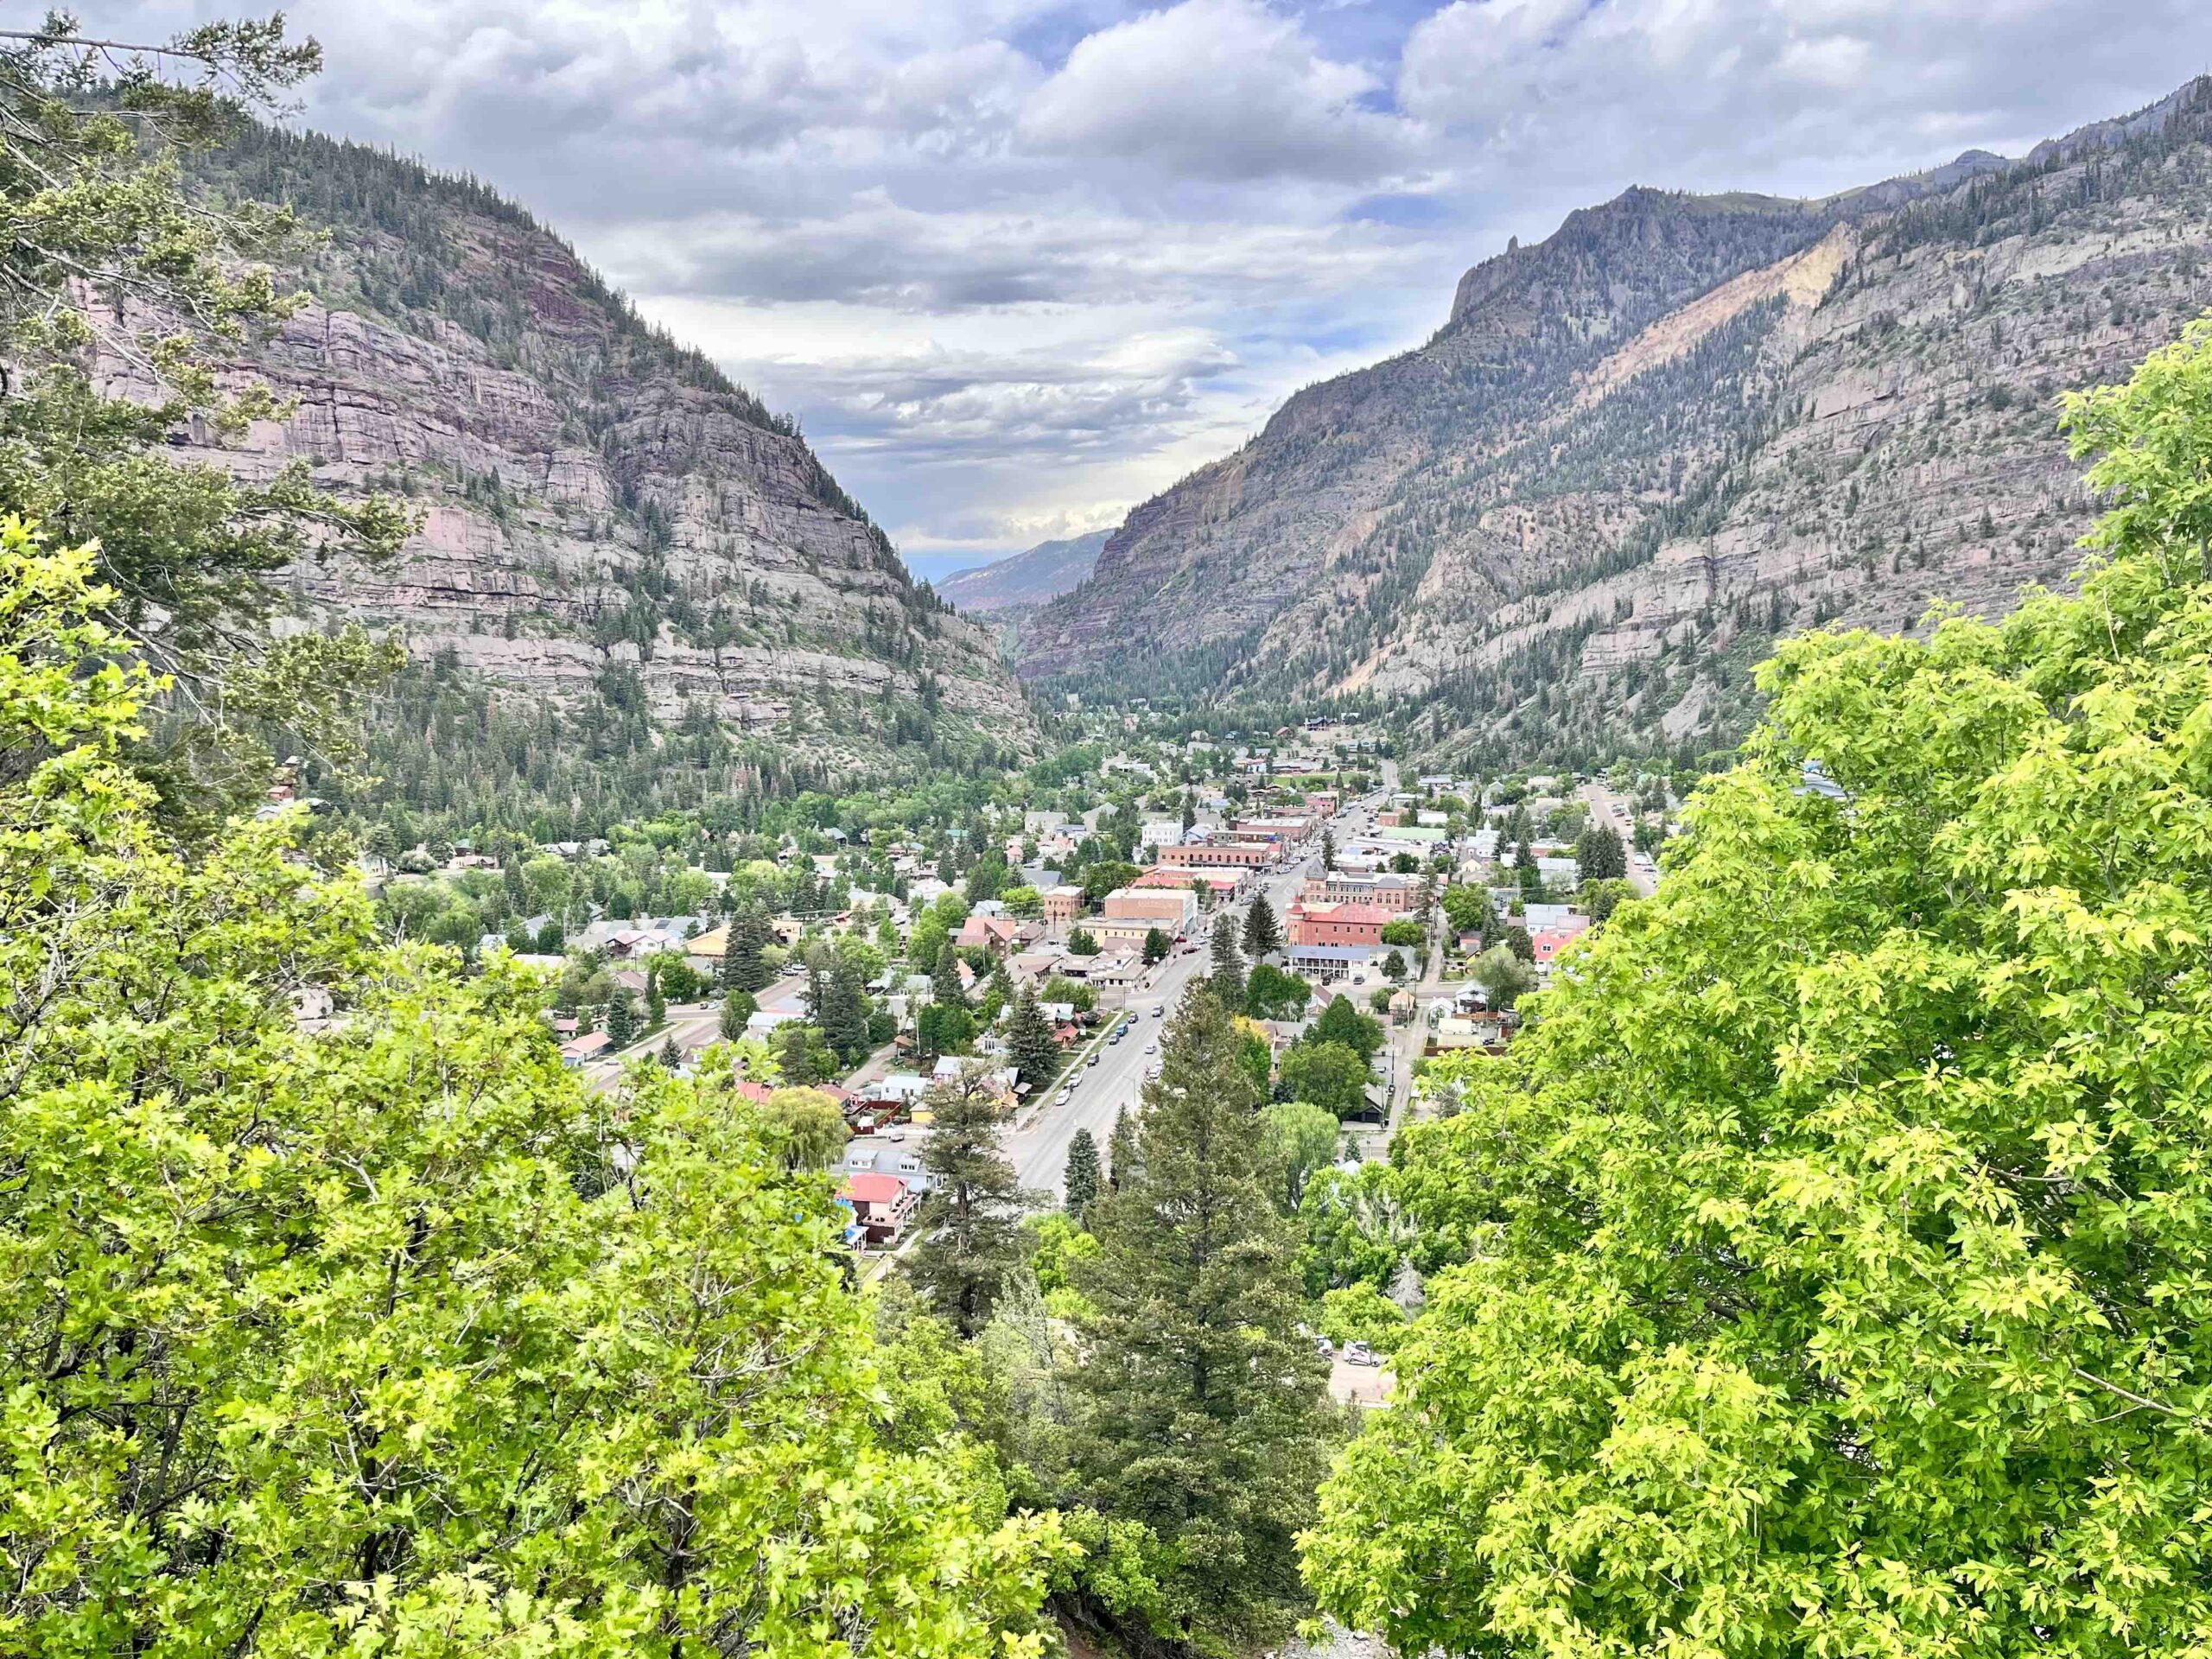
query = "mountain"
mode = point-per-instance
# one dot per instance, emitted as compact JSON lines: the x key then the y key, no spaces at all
{"x":1043,"y":572}
{"x":1639,"y":450}
{"x":626,"y":561}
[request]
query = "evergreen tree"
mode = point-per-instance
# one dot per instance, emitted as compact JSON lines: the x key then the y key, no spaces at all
{"x":844,"y":1011}
{"x":1036,"y":1052}
{"x":1082,"y":942}
{"x":972,"y":1219}
{"x":655,"y":1001}
{"x":745,"y":964}
{"x":672,"y":1057}
{"x":797,"y":1053}
{"x":1328,"y":848}
{"x":738,"y":1008}
{"x":1599,"y":854}
{"x":946,"y":988}
{"x":1228,"y":976}
{"x":1263,"y":934}
{"x":621,"y":1019}
{"x":1201,"y":1415}
{"x":1122,"y":1157}
{"x":1155,"y":946}
{"x":1079,"y":1178}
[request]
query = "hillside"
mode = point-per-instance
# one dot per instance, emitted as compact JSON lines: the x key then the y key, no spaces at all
{"x":1030,"y":577}
{"x":626,"y":563}
{"x":1640,"y":450}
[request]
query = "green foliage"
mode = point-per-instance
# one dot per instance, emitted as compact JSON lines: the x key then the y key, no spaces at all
{"x":1504,"y":978}
{"x":1200,"y":1415}
{"x":1156,"y":946}
{"x":1299,"y":1138}
{"x":91,"y":188}
{"x":1079,"y":1179}
{"x":1326,"y":1075}
{"x":972,"y":1217}
{"x":1082,"y":942}
{"x":1262,"y":933}
{"x":810,"y":1126}
{"x":1227,"y":979}
{"x":328,"y":1339}
{"x":1466,"y":909}
{"x":1035,"y":1052}
{"x":1360,"y":1313}
{"x":1836,"y":1247}
{"x":1341,"y":1022}
{"x":1273,"y":993}
{"x":1404,"y":931}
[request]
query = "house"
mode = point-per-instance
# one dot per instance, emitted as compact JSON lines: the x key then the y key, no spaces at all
{"x":1552,"y":941}
{"x":1326,"y":963}
{"x":577,"y":1050}
{"x":881,"y":1205}
{"x":1561,"y":874}
{"x":996,"y":934}
{"x":873,"y":1158}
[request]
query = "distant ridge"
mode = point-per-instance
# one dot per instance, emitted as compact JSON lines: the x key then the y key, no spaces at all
{"x":1042,"y":573}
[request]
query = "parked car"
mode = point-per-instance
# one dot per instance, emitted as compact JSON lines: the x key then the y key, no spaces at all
{"x":1062,"y":1098}
{"x":1093,"y":1060}
{"x":1358,"y":1353}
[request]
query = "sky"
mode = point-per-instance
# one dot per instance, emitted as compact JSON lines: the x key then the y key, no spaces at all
{"x":1018,"y":265}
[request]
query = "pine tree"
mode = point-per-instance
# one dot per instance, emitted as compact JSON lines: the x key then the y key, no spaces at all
{"x":745,"y":964}
{"x":1036,"y":1052}
{"x":1200,"y":1407}
{"x":843,"y":1018}
{"x":945,"y":979}
{"x":1122,"y":1159}
{"x":671,"y":1056}
{"x":973,"y":1214}
{"x":621,"y":1019}
{"x":1079,"y":1178}
{"x":1228,"y":977}
{"x":1263,"y":934}
{"x":738,"y":1008}
{"x":1328,"y":848}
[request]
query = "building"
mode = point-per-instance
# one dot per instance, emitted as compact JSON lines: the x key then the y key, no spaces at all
{"x":1221,"y":884}
{"x":1062,"y":906}
{"x":577,"y":1050}
{"x":881,"y":1205}
{"x":1395,"y":893}
{"x":996,"y":934}
{"x":1170,"y":909}
{"x":1326,"y":963}
{"x":1359,"y":926}
{"x":1218,"y":855}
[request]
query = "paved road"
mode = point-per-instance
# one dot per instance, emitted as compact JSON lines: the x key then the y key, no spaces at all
{"x":1620,"y":813}
{"x":1039,"y":1147}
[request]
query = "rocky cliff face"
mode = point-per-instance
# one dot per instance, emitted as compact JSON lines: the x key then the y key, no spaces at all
{"x":1027,"y":578}
{"x":604,"y":513}
{"x":1641,"y":449}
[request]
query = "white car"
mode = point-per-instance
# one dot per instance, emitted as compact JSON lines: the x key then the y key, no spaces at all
{"x":1064,"y":1097}
{"x":1152,"y":1048}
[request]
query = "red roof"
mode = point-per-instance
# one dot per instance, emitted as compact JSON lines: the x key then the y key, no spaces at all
{"x":1345,"y":912}
{"x":872,"y":1189}
{"x":759,"y":1093}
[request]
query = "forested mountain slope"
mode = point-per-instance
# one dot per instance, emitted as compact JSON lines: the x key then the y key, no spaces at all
{"x":1643,"y":448}
{"x":626,"y":565}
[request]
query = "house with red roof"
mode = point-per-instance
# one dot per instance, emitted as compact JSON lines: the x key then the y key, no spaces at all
{"x":881,"y":1205}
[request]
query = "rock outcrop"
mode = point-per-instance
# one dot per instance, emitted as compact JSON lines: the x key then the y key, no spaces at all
{"x":597,"y":501}
{"x":1641,"y":449}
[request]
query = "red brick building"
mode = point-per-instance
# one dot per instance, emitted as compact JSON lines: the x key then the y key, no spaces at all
{"x":1218,"y":855}
{"x":1359,"y":925}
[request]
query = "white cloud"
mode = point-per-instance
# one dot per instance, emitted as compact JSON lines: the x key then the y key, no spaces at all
{"x":1220,"y":89}
{"x":1018,"y":264}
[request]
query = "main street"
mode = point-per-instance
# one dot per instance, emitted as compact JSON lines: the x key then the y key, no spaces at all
{"x":1038,"y":1143}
